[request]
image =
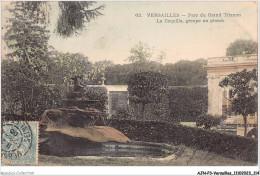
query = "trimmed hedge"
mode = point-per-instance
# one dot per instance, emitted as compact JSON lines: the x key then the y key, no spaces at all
{"x":152,"y":131}
{"x":185,"y":103}
{"x":98,"y":93}
{"x":178,"y":104}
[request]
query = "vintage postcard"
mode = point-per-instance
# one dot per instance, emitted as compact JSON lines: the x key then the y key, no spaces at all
{"x":129,"y":83}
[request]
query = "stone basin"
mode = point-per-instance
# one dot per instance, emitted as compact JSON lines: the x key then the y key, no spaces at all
{"x":137,"y":149}
{"x":63,"y":145}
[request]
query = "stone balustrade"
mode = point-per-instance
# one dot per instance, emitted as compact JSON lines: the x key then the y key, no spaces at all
{"x":231,"y":59}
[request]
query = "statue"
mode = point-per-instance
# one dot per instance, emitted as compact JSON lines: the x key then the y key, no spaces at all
{"x":78,"y":85}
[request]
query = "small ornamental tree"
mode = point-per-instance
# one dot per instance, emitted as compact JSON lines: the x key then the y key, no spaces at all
{"x":147,"y":87}
{"x":244,"y":93}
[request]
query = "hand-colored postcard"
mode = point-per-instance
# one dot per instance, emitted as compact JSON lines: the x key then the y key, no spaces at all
{"x":130,"y":83}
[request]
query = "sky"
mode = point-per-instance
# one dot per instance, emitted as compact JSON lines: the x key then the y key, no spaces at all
{"x":112,"y":35}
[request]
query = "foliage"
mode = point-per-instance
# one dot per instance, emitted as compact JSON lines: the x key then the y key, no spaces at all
{"x":27,"y":91}
{"x":37,"y":11}
{"x":23,"y":91}
{"x":124,"y":112}
{"x":24,"y":72}
{"x":153,"y":111}
{"x":242,"y":47}
{"x":187,"y":103}
{"x":97,"y":72}
{"x":178,"y":104}
{"x":75,"y":15}
{"x":63,"y":66}
{"x":243,"y":86}
{"x":119,"y":74}
{"x":28,"y":41}
{"x":141,"y":58}
{"x":207,"y":121}
{"x":184,"y":73}
{"x":140,"y":53}
{"x":98,"y":93}
{"x":146,"y":87}
{"x":34,"y":77}
{"x":223,"y":144}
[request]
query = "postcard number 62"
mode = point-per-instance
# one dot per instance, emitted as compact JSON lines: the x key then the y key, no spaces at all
{"x":138,"y":15}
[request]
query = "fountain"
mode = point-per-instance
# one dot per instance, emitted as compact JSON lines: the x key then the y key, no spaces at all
{"x":73,"y":131}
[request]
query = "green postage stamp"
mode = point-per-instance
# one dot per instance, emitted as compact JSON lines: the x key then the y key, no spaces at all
{"x":19,"y":143}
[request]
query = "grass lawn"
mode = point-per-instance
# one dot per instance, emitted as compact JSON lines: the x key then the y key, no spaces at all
{"x":188,"y":157}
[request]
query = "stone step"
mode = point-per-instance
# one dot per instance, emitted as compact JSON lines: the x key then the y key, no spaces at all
{"x":227,"y":128}
{"x":231,"y":132}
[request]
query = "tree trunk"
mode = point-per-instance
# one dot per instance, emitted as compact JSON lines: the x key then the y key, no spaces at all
{"x":245,"y":123}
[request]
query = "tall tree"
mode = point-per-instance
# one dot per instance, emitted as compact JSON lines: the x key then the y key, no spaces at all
{"x":73,"y":17}
{"x":98,"y":70}
{"x":244,"y":93}
{"x":63,"y":66}
{"x":25,"y":69}
{"x":242,"y":47}
{"x":141,"y":54}
{"x":34,"y":76}
{"x":27,"y":40}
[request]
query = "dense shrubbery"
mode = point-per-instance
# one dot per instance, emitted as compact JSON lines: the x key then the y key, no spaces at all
{"x":178,"y":104}
{"x":223,"y":144}
{"x":98,"y":93}
{"x":124,"y":112}
{"x":207,"y":121}
{"x":175,"y":104}
{"x":153,"y":111}
{"x":146,"y":88}
{"x":187,"y":103}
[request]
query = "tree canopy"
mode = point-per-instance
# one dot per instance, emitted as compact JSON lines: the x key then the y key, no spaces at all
{"x":74,"y":15}
{"x":140,"y":53}
{"x":244,"y":92}
{"x":34,"y":75}
{"x":182,"y":73}
{"x":242,"y":47}
{"x":185,"y":73}
{"x":146,"y":87}
{"x":27,"y":40}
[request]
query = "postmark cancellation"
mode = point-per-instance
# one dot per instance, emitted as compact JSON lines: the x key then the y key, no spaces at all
{"x":19,"y":143}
